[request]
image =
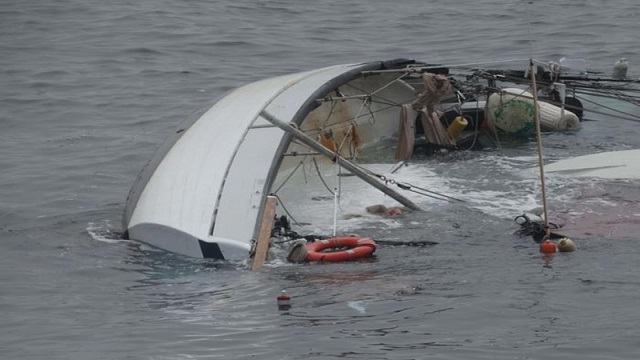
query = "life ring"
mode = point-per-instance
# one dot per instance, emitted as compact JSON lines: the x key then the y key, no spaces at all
{"x":357,"y":247}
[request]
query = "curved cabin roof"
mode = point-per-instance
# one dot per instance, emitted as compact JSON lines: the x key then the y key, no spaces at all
{"x":203,"y":193}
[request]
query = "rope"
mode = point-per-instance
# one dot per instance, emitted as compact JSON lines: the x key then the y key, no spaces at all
{"x":353,"y":124}
{"x":372,"y":119}
{"x":321,"y":178}
{"x":476,"y":127}
{"x":333,"y":105}
{"x":285,"y":210}
{"x":475,"y":132}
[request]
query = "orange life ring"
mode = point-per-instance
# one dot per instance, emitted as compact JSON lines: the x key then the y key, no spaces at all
{"x":357,"y":248}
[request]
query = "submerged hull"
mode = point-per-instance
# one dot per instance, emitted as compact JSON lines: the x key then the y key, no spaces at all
{"x":607,"y":165}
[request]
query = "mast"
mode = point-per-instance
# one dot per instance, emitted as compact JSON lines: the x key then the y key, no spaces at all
{"x":539,"y":142}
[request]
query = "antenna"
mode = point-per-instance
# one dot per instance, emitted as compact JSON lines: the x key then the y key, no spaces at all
{"x":529,"y":32}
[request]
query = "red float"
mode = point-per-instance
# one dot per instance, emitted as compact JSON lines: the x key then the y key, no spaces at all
{"x":547,"y":247}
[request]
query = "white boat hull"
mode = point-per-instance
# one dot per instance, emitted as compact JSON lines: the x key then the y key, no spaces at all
{"x":608,"y":165}
{"x":204,"y":192}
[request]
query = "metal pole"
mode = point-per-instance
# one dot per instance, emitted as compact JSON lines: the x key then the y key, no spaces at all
{"x":306,"y":140}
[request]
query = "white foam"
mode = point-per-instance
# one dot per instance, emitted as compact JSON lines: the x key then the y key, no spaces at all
{"x":489,"y":182}
{"x":103,"y":231}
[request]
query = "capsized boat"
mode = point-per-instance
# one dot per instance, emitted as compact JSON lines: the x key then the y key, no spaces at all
{"x":203,"y":193}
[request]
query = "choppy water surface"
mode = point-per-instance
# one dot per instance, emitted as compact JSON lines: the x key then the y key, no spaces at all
{"x":90,"y":89}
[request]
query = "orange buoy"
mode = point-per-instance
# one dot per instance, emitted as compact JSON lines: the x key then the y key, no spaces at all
{"x":547,"y":247}
{"x":356,"y":248}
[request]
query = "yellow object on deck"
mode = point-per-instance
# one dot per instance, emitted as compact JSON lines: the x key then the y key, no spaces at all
{"x":456,"y":127}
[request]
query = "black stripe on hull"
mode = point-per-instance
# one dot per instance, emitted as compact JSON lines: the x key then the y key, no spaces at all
{"x":210,"y":250}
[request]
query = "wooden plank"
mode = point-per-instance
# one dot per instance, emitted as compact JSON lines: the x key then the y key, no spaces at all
{"x":262,"y":245}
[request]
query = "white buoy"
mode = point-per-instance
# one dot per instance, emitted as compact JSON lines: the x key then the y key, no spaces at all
{"x":553,"y":118}
{"x":566,"y":245}
{"x":512,"y":111}
{"x":620,"y":69}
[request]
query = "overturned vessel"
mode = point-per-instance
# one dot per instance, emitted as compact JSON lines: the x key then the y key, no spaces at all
{"x":203,"y":193}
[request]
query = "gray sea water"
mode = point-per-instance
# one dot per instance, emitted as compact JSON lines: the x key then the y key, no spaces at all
{"x":89,"y":89}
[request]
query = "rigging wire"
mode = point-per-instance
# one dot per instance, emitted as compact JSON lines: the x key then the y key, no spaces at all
{"x":290,"y":175}
{"x":402,"y":185}
{"x":409,"y":187}
{"x":635,"y":100}
{"x":635,"y":117}
{"x":389,"y":84}
{"x":348,"y":121}
{"x":616,"y":95}
{"x":425,"y":192}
